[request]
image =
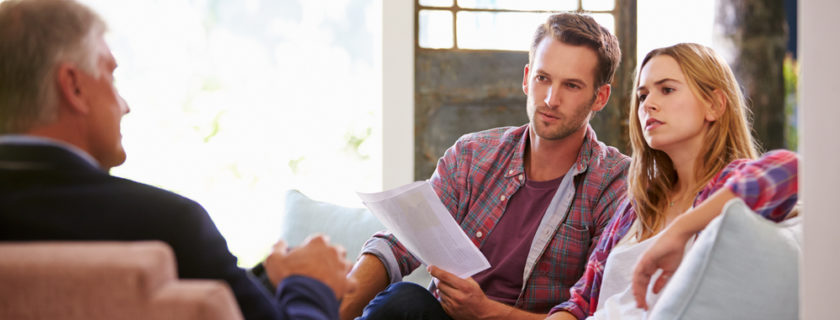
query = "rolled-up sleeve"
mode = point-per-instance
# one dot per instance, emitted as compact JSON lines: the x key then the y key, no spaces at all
{"x":379,"y":247}
{"x":768,"y":185}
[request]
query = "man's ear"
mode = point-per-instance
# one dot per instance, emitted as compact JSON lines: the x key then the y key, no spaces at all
{"x":70,"y":93}
{"x":601,"y":97}
{"x":525,"y":80}
{"x":716,"y":108}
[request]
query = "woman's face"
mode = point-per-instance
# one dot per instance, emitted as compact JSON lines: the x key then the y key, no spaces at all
{"x":672,"y":117}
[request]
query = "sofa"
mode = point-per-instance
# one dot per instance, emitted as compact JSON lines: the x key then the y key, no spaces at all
{"x":742,"y":266}
{"x":104,"y":280}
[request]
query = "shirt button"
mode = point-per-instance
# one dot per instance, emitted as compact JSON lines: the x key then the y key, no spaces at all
{"x":510,"y":172}
{"x":521,"y":177}
{"x":502,"y":197}
{"x":479,"y":234}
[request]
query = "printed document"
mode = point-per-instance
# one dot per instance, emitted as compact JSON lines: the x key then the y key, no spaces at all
{"x":417,"y":217}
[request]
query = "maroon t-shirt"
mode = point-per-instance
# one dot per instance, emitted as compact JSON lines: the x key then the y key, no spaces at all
{"x":507,"y":246}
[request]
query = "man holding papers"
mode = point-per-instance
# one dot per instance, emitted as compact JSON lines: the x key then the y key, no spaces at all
{"x":534,"y":199}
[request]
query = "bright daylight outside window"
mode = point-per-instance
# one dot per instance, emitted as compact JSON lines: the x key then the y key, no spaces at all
{"x":496,"y":24}
{"x":234,"y":102}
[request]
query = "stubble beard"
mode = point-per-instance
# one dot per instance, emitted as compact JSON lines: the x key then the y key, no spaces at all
{"x":566,"y":126}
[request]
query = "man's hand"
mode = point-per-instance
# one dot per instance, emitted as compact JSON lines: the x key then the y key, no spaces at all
{"x":316,"y":259}
{"x":464,"y":299}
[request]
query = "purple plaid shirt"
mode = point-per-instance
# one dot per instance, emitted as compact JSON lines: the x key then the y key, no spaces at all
{"x":476,"y":177}
{"x":767,"y":185}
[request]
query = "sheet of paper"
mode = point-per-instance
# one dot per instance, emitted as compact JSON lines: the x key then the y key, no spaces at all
{"x":415,"y":215}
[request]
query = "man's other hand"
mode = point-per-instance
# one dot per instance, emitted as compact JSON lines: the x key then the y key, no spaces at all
{"x":463,"y":298}
{"x":315,"y":258}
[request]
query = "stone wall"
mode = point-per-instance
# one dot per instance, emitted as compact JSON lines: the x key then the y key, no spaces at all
{"x":463,"y":91}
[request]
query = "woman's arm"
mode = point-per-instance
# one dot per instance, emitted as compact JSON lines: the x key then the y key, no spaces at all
{"x":767,"y":185}
{"x":666,"y":252}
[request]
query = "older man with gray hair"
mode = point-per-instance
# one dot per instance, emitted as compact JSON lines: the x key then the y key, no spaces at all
{"x":60,"y":119}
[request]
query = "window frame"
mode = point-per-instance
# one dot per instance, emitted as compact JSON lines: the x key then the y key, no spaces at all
{"x":455,"y":9}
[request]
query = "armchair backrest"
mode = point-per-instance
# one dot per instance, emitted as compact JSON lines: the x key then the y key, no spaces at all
{"x":104,"y":280}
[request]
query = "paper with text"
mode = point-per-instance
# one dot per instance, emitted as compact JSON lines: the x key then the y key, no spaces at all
{"x":417,"y":217}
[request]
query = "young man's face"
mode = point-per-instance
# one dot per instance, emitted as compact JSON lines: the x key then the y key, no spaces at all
{"x":107,"y":108}
{"x":560,"y":84}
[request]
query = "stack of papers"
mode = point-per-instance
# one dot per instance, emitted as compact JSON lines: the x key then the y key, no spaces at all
{"x":416,"y":216}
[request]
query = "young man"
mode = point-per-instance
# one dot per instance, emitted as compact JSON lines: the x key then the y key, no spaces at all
{"x":60,"y":134}
{"x":534,"y":199}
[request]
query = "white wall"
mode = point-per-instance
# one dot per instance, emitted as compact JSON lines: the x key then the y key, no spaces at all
{"x":661,"y":23}
{"x":397,"y":93}
{"x":819,"y":114}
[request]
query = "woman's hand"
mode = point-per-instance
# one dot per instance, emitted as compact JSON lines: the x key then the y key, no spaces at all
{"x":665,"y":253}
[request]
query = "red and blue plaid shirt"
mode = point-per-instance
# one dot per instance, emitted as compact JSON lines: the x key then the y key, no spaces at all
{"x":767,"y":185}
{"x":475,"y":178}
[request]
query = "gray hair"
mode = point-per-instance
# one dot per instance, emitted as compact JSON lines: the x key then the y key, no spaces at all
{"x":35,"y":36}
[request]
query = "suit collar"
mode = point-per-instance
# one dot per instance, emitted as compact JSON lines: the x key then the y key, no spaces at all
{"x":38,"y":140}
{"x":26,"y":156}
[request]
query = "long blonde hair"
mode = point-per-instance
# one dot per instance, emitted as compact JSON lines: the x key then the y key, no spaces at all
{"x":652,"y":175}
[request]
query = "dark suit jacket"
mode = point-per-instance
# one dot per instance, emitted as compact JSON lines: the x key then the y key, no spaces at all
{"x":50,"y":193}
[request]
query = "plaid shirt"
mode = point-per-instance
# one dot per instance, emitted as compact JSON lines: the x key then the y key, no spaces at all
{"x":767,"y":185}
{"x":475,"y":178}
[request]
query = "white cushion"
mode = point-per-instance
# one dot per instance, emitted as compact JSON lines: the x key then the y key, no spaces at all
{"x":741,"y":267}
{"x":349,"y":227}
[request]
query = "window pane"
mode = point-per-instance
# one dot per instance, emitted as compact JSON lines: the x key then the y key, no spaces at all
{"x":436,"y":29}
{"x":605,"y":19}
{"x":598,"y":5}
{"x":436,"y":3}
{"x":549,"y":5}
{"x":498,"y":30}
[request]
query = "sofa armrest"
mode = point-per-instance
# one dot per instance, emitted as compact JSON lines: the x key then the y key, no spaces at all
{"x":104,"y":280}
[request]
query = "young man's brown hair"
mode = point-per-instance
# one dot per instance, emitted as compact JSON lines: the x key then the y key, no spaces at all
{"x":582,"y":30}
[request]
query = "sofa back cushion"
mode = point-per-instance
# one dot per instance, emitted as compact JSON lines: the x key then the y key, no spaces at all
{"x":349,"y":227}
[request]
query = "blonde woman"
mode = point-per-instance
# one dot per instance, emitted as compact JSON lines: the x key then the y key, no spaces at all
{"x":692,"y":152}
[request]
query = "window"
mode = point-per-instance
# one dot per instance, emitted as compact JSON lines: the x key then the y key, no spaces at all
{"x":496,"y":24}
{"x":234,"y":102}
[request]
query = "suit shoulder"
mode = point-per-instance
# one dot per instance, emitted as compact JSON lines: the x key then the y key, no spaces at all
{"x":141,"y":194}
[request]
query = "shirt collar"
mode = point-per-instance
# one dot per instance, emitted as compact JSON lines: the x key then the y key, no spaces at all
{"x":589,"y":148}
{"x":42,"y":141}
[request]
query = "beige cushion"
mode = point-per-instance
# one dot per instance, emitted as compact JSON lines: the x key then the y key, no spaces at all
{"x":104,"y":280}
